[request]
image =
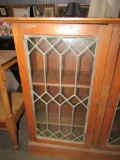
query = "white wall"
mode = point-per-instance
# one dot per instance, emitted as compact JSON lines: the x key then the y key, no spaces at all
{"x":104,"y":8}
{"x":97,"y":8}
{"x":112,"y":8}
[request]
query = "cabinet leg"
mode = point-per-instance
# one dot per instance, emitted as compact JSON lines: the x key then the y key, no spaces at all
{"x":11,"y":125}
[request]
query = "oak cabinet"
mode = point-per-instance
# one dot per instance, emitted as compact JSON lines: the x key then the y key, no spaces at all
{"x":69,"y":72}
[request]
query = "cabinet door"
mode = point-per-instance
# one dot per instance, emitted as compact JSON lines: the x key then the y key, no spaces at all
{"x":62,"y":68}
{"x":110,"y":134}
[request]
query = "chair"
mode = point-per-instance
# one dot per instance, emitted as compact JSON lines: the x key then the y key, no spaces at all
{"x":11,"y":104}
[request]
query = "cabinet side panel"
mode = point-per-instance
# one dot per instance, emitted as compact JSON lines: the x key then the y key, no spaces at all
{"x":23,"y":67}
{"x":111,"y":61}
{"x":111,"y":103}
{"x":99,"y":73}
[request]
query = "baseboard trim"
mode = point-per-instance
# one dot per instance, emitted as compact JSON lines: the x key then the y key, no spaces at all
{"x":71,"y":152}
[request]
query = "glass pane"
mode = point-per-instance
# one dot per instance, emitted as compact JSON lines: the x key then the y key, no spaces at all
{"x":114,"y":138}
{"x":61,"y":70}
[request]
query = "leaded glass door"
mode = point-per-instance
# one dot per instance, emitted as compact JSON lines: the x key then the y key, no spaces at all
{"x":62,"y":77}
{"x":61,"y":84}
{"x":114,"y":135}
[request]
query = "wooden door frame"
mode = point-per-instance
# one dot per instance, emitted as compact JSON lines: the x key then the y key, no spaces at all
{"x":113,"y":96}
{"x":19,"y":29}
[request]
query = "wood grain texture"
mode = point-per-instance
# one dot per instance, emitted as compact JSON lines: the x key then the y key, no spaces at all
{"x":99,"y":73}
{"x":70,"y":152}
{"x":65,"y":20}
{"x":112,"y":99}
{"x":111,"y":62}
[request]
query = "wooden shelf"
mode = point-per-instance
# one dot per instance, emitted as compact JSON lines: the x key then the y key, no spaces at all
{"x":56,"y":124}
{"x":16,"y":99}
{"x":68,"y":79}
{"x":65,"y":118}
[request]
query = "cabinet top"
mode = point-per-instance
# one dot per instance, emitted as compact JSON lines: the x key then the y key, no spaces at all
{"x":64,"y":20}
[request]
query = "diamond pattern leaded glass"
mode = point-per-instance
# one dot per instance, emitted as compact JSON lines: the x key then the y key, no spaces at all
{"x":60,"y":70}
{"x":114,"y":138}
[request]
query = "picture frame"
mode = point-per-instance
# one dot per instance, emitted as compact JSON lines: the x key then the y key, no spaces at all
{"x":44,"y":10}
{"x":21,"y":12}
{"x":61,"y":10}
{"x":3,"y":11}
{"x":18,"y":11}
{"x":48,"y":12}
{"x":84,"y":10}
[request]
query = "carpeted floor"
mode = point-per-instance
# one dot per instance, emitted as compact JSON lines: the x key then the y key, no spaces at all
{"x":7,"y":152}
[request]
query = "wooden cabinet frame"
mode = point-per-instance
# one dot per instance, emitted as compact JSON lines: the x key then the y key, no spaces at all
{"x":108,"y":33}
{"x":112,"y":100}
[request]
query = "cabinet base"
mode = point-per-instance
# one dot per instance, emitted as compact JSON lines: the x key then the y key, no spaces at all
{"x":71,"y":152}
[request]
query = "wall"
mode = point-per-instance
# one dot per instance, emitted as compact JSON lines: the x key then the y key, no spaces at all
{"x":104,"y":8}
{"x":112,"y":8}
{"x":97,"y":8}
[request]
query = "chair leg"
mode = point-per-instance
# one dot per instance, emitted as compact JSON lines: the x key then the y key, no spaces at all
{"x":11,"y":125}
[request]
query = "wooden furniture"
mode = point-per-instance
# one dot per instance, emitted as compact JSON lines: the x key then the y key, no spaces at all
{"x":11,"y":105}
{"x":71,"y":83}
